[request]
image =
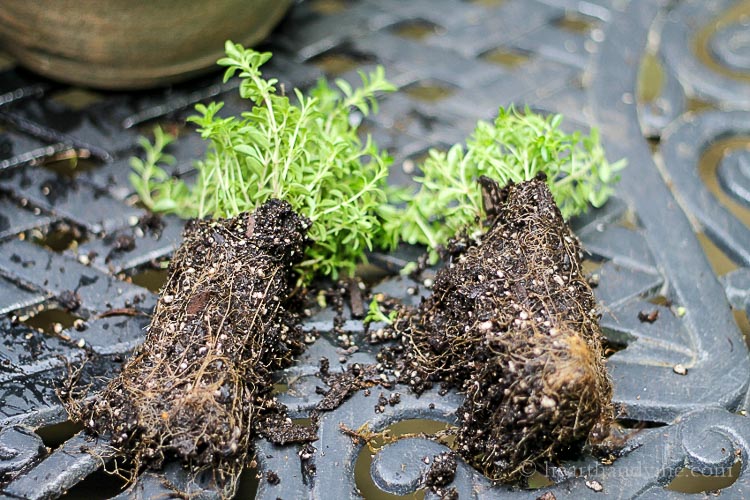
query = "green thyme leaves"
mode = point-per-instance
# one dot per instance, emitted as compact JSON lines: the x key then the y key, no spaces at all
{"x":305,"y":151}
{"x":515,"y":147}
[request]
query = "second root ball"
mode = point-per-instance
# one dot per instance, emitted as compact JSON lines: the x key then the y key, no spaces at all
{"x":513,"y":323}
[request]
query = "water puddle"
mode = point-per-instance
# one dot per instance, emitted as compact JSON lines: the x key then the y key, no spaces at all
{"x":76,"y":98}
{"x":150,"y":279}
{"x":328,"y":7}
{"x":49,"y":320}
{"x":651,"y":79}
{"x":366,"y":486}
{"x":688,"y":481}
{"x":58,"y":237}
{"x":488,"y":3}
{"x":71,"y":164}
{"x":708,"y":165}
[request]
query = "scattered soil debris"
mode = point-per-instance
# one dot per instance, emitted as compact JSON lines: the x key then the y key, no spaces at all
{"x":388,"y":306}
{"x":343,"y":385}
{"x":151,"y":223}
{"x":123,"y":243}
{"x":421,"y":264}
{"x":381,"y":404}
{"x":593,"y":279}
{"x":280,"y":429}
{"x":548,"y":495}
{"x":198,"y":384}
{"x":513,"y":323}
{"x":120,"y":243}
{"x":121,"y":311}
{"x":336,"y":299}
{"x":448,"y":494}
{"x":69,"y":300}
{"x":356,"y":300}
{"x":441,"y":472}
{"x":272,"y":478}
{"x":648,"y":317}
{"x":359,"y":436}
{"x":306,"y":452}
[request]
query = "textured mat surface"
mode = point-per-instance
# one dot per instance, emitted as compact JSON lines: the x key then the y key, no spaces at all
{"x":682,"y":380}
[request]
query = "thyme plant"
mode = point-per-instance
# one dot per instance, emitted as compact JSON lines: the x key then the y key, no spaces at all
{"x":515,"y":147}
{"x":306,"y":152}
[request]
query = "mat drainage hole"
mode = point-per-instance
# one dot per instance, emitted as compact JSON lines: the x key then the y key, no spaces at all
{"x":152,"y":279}
{"x":611,"y":347}
{"x":249,"y":481}
{"x":575,"y":23}
{"x":57,"y":237}
{"x":100,"y":484}
{"x":70,"y":164}
{"x":429,"y":90}
{"x":53,"y":436}
{"x":49,"y":320}
{"x":338,"y":61}
{"x":505,"y":56}
{"x":417,"y":29}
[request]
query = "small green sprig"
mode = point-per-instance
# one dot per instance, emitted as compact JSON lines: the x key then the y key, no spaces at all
{"x":148,"y":177}
{"x":374,"y":313}
{"x":514,"y":148}
{"x":306,"y":152}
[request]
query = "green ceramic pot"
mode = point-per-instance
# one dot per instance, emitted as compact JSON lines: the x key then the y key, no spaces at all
{"x":129,"y":44}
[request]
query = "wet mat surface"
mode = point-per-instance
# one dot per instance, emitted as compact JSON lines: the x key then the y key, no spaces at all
{"x":668,"y":85}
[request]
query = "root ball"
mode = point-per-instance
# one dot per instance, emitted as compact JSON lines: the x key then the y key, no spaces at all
{"x":513,"y":323}
{"x":195,"y":386}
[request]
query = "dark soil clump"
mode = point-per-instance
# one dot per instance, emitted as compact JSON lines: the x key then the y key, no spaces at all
{"x":199,"y":383}
{"x":343,"y":385}
{"x":281,"y":430}
{"x":513,"y":323}
{"x":442,"y":470}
